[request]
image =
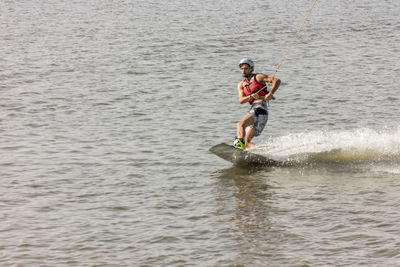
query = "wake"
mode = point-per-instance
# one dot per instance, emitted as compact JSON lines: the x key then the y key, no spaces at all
{"x":359,"y":146}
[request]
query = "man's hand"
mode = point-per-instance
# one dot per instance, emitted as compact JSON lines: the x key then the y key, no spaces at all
{"x":268,"y":97}
{"x":255,"y":96}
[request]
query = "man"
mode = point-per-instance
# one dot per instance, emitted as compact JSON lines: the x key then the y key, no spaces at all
{"x":249,"y":91}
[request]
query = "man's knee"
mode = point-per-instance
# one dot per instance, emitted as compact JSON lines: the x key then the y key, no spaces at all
{"x":246,"y":121}
{"x":243,"y":123}
{"x":250,"y":128}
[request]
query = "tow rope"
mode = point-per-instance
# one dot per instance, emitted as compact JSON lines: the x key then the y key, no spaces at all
{"x":290,"y":46}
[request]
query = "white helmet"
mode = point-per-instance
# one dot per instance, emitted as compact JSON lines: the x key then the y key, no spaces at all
{"x":246,"y":61}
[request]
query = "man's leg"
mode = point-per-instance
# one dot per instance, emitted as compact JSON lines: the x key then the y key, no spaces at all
{"x":241,"y":126}
{"x":258,"y":126}
{"x":250,"y":133}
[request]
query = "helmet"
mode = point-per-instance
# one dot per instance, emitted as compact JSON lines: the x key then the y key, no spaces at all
{"x":246,"y":61}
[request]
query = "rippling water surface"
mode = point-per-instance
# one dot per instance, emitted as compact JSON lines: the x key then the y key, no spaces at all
{"x":109,"y":109}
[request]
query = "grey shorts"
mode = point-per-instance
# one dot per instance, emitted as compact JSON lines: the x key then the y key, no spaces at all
{"x":260,"y":114}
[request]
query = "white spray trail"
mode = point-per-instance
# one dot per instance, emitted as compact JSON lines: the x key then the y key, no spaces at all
{"x":385,"y":142}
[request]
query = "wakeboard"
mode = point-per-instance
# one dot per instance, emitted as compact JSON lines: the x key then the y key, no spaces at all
{"x":241,"y":157}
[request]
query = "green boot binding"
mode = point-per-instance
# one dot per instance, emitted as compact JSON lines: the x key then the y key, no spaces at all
{"x":238,"y":143}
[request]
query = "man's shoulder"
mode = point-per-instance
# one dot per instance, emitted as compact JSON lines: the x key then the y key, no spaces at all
{"x":240,"y":84}
{"x":260,"y":77}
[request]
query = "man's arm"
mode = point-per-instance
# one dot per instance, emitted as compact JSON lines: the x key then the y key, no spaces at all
{"x":275,"y":83}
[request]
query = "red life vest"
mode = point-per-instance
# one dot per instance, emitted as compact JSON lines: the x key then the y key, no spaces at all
{"x":253,"y":86}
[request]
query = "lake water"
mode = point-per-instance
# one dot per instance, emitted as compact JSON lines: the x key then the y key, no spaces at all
{"x":109,"y":108}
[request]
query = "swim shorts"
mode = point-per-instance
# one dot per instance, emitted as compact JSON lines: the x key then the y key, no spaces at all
{"x":259,"y":111}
